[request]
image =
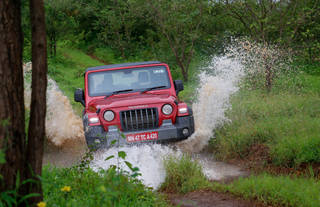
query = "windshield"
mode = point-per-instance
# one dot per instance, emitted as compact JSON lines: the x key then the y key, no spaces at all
{"x":137,"y":79}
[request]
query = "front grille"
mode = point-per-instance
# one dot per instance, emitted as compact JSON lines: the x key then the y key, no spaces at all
{"x":139,"y":119}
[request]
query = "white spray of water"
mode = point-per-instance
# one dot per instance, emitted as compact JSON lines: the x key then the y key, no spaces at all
{"x":216,"y":85}
{"x":148,"y":158}
{"x":62,"y":124}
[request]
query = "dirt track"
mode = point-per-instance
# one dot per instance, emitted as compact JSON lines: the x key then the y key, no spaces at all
{"x":211,"y":199}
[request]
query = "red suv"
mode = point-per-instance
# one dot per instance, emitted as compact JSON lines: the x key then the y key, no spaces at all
{"x":137,"y":101}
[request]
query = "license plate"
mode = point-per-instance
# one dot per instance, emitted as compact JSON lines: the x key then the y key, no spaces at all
{"x":145,"y":136}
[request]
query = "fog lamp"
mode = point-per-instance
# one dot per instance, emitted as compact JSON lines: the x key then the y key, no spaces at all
{"x":185,"y":132}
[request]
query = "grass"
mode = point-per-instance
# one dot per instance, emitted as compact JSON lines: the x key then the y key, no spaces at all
{"x":89,"y":188}
{"x":286,"y":121}
{"x":67,"y":69}
{"x":183,"y":175}
{"x":276,"y":190}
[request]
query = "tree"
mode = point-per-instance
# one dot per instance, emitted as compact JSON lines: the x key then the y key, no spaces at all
{"x":179,"y":24}
{"x":23,"y":156}
{"x":59,"y":21}
{"x":270,"y":20}
{"x":117,"y":22}
{"x":36,"y":131}
{"x":12,"y":127}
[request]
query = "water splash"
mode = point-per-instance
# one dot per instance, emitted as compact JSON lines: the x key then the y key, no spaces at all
{"x":148,"y":158}
{"x":62,"y":124}
{"x":217,"y":84}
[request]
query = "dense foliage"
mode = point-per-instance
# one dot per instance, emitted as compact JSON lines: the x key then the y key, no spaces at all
{"x":174,"y":31}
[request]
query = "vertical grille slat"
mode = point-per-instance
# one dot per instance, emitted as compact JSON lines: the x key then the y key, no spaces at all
{"x":147,"y":118}
{"x":131,"y":120}
{"x":142,"y":122}
{"x":125,"y":119}
{"x":152,"y":118}
{"x":139,"y":119}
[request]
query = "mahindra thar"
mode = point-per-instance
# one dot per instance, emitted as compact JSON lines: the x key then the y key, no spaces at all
{"x":136,"y":101}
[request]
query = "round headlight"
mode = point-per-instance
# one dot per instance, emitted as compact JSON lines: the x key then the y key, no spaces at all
{"x":167,"y":109}
{"x":108,"y":115}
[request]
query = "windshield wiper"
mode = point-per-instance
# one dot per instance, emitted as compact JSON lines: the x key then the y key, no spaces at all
{"x":117,"y":92}
{"x":152,"y":88}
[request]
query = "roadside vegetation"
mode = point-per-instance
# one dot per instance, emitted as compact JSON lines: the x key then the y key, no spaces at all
{"x":277,"y":132}
{"x":74,"y":187}
{"x":276,"y":190}
{"x":281,"y":125}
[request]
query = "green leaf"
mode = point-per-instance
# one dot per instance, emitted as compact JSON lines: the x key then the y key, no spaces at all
{"x":5,"y":196}
{"x":128,"y":164}
{"x":110,"y":157}
{"x":122,"y":154}
{"x":135,"y":169}
{"x":134,"y":175}
{"x":113,"y":142}
{"x":28,"y":181}
{"x":28,"y":196}
{"x":113,"y":167}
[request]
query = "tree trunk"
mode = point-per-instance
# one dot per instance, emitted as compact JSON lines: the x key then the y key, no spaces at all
{"x":184,"y":73}
{"x":36,"y":132}
{"x":12,"y":112}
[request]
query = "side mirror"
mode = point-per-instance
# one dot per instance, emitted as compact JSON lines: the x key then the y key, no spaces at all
{"x":178,"y":85}
{"x":79,"y":96}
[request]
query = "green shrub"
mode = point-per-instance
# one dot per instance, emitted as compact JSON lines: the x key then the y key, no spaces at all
{"x":70,"y":187}
{"x":183,"y":175}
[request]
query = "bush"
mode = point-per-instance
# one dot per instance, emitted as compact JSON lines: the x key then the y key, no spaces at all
{"x":71,"y":187}
{"x":183,"y":175}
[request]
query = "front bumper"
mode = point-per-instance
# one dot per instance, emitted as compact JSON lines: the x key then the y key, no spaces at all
{"x":97,"y":137}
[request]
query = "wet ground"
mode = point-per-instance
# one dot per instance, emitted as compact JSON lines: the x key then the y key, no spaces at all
{"x":211,"y":199}
{"x":218,"y":171}
{"x":66,"y":155}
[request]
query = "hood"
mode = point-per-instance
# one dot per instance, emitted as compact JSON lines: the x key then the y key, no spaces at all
{"x":128,"y":100}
